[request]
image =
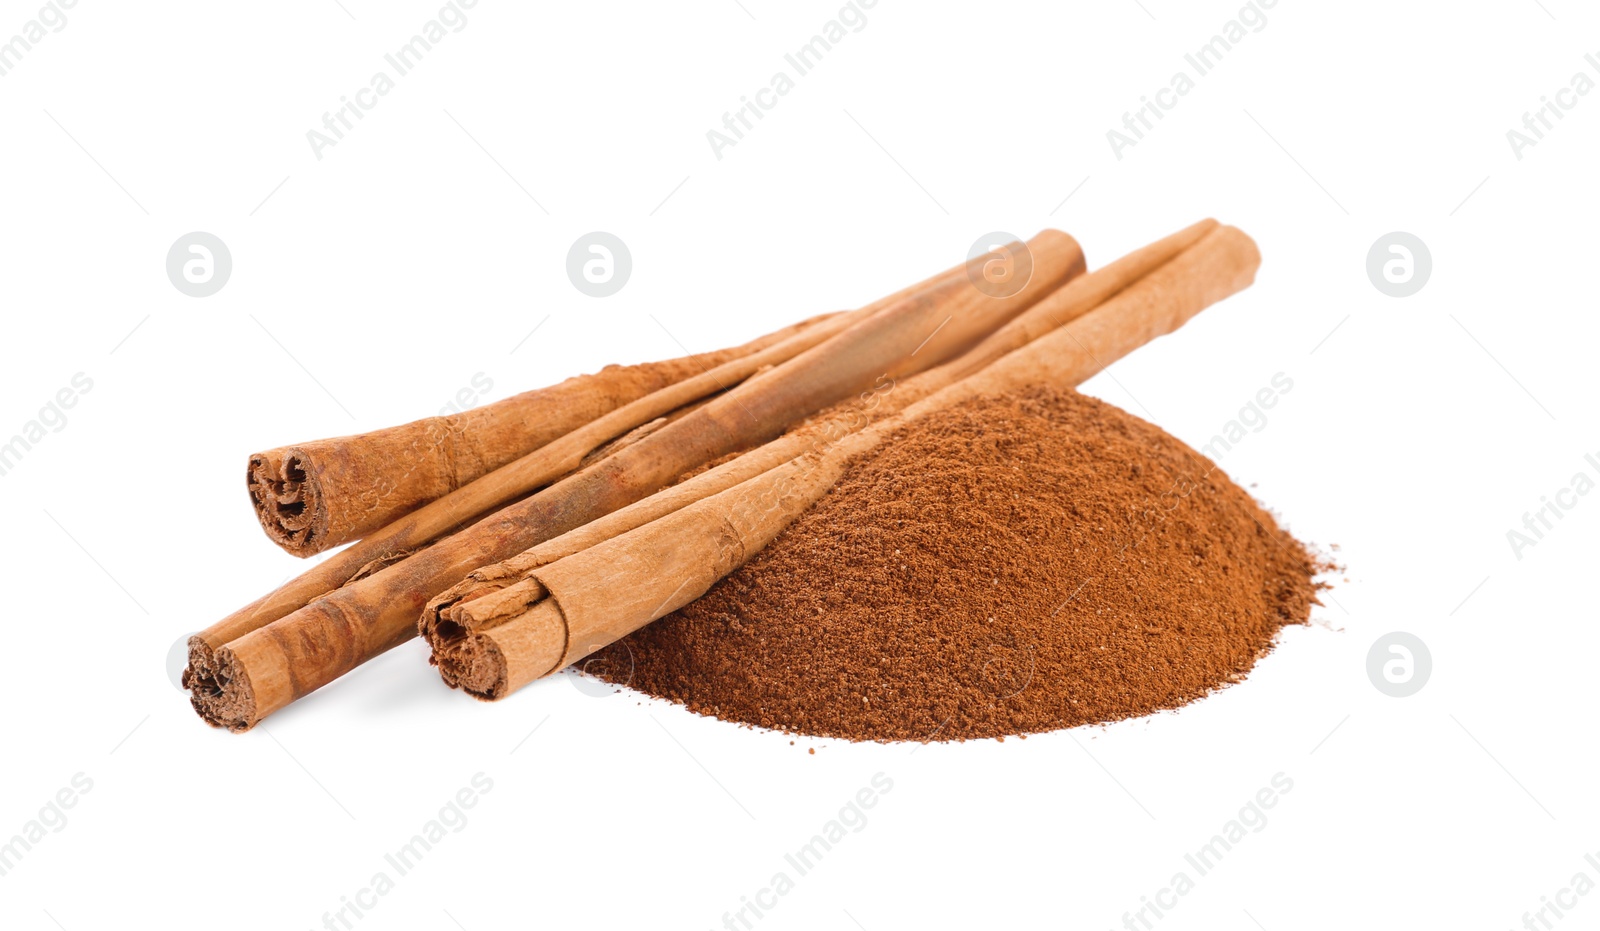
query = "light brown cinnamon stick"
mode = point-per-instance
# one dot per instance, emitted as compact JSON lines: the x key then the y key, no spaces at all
{"x":493,"y":640}
{"x":313,"y":496}
{"x":505,"y":484}
{"x":415,"y":530}
{"x":250,"y":676}
{"x":476,"y":601}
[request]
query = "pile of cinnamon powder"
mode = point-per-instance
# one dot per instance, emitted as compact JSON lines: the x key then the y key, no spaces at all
{"x":1013,"y":565}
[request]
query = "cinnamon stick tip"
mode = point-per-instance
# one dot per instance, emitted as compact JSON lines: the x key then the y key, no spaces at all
{"x":1249,"y":248}
{"x":473,"y":664}
{"x":219,"y":687}
{"x":1062,"y":243}
{"x":287,"y":498}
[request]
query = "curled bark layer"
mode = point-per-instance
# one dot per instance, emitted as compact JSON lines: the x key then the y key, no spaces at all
{"x":310,"y":497}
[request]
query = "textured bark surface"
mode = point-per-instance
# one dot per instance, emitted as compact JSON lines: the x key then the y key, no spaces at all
{"x":414,"y":531}
{"x":304,"y":650}
{"x":313,"y":496}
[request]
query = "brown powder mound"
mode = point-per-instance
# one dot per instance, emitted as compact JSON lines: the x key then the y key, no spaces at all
{"x":1013,"y":565}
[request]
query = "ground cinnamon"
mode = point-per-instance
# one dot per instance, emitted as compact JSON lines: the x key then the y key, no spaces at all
{"x":1014,"y":564}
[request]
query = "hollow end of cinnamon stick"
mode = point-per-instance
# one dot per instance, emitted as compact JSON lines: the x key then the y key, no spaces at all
{"x":219,"y":687}
{"x":439,"y":610}
{"x":471,"y":663}
{"x":288,"y":500}
{"x":490,"y":658}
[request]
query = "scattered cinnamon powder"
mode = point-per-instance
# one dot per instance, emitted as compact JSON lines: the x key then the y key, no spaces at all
{"x":1013,"y":565}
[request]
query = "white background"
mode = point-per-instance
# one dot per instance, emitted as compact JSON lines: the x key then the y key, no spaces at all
{"x":371,"y":285}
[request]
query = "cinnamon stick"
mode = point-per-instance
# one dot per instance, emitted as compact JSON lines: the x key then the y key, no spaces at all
{"x":247,"y":678}
{"x":492,"y":642}
{"x":314,"y":496}
{"x":415,"y":530}
{"x":310,"y":497}
{"x":537,"y":468}
{"x":1067,"y":303}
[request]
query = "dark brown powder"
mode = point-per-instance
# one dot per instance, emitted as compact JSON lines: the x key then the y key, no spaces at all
{"x":1013,"y":565}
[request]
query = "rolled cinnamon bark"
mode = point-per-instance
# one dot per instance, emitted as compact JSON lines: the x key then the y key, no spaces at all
{"x":246,"y":679}
{"x":520,"y":477}
{"x":415,"y":530}
{"x":313,"y":496}
{"x":493,"y":640}
{"x":477,"y":602}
